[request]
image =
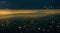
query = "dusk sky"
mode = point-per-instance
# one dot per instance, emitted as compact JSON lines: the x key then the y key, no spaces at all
{"x":30,"y":4}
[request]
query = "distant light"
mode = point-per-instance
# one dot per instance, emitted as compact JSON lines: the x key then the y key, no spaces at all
{"x":57,"y":26}
{"x":2,"y":25}
{"x":19,"y":27}
{"x":39,"y":28}
{"x":50,"y":26}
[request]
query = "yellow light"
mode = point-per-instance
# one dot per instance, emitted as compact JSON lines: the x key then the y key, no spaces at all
{"x":25,"y":13}
{"x":4,"y":13}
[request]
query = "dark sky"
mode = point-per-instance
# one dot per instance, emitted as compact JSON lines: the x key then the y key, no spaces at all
{"x":30,"y":4}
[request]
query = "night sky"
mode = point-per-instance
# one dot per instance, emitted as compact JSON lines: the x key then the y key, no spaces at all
{"x":30,"y":4}
{"x":45,"y":24}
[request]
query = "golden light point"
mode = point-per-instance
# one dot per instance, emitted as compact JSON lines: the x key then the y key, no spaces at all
{"x":39,"y":28}
{"x":19,"y":27}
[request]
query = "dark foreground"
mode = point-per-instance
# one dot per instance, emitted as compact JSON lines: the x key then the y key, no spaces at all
{"x":47,"y":24}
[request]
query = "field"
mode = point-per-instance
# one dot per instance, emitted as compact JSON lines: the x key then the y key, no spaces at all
{"x":30,"y":21}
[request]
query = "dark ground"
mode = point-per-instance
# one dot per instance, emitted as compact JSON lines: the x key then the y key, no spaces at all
{"x":47,"y":24}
